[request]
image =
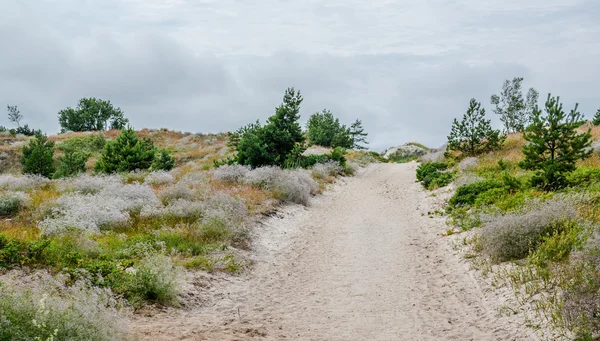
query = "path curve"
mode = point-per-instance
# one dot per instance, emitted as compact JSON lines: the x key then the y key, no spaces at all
{"x":364,"y":262}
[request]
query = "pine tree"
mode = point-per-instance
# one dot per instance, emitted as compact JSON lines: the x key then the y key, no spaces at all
{"x":270,"y":144}
{"x":514,"y":110}
{"x":474,"y":134}
{"x":163,"y":161}
{"x":358,"y":135}
{"x":126,"y":153}
{"x":596,"y":119}
{"x":554,"y":145}
{"x":38,"y":156}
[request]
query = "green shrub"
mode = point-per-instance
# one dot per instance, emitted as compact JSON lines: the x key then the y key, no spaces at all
{"x":583,"y":176}
{"x":11,"y":203}
{"x":516,"y":234}
{"x":90,"y":143}
{"x":126,"y":154}
{"x":430,"y":176}
{"x":557,"y":246}
{"x":38,"y":156}
{"x":163,"y":161}
{"x":153,"y":279}
{"x":467,"y":194}
{"x":52,"y":310}
{"x":71,"y":163}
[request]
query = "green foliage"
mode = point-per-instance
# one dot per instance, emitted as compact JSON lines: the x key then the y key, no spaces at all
{"x":583,"y":176}
{"x":467,"y":194}
{"x":474,"y":134}
{"x":514,"y":110}
{"x":596,"y":119}
{"x":71,"y":163}
{"x":297,"y":160}
{"x":37,"y":156}
{"x":554,"y":145}
{"x":324,"y":129}
{"x":91,"y":143}
{"x":430,"y":175}
{"x":126,"y":153}
{"x":556,"y":246}
{"x":271,"y":144}
{"x":358,"y":135}
{"x":92,"y":114}
{"x":3,"y":129}
{"x":154,"y":280}
{"x":10,"y":204}
{"x":25,"y":130}
{"x":163,"y":161}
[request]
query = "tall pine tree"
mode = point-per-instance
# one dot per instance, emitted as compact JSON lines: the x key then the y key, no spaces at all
{"x":554,"y":145}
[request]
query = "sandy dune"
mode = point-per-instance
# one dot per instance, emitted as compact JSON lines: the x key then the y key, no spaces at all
{"x":365,"y":262}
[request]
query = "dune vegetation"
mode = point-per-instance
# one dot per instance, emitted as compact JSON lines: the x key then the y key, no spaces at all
{"x":528,"y":205}
{"x":110,"y":220}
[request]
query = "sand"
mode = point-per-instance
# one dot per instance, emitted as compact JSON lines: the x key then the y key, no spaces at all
{"x":363,"y":262}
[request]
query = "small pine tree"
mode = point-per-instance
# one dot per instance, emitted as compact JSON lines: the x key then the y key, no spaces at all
{"x":554,"y":145}
{"x":272,"y":143}
{"x":38,"y":156}
{"x":474,"y":134}
{"x":596,"y":119}
{"x":358,"y":135}
{"x":126,"y":153}
{"x":163,"y":161}
{"x":71,"y":163}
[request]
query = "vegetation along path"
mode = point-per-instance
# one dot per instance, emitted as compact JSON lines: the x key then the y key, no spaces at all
{"x":364,"y":262}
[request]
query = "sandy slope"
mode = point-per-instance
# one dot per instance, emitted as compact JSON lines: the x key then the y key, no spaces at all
{"x":365,"y":262}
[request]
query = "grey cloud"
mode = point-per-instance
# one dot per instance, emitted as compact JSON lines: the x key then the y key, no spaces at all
{"x":406,"y":68}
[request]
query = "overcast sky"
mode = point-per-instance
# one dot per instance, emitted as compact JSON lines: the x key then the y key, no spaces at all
{"x":406,"y":68}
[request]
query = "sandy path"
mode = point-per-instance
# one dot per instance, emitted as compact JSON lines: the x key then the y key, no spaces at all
{"x":363,"y":263}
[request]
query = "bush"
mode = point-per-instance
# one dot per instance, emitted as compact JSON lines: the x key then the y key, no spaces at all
{"x":40,"y":307}
{"x":25,"y":130}
{"x":515,"y":234}
{"x":87,"y":184}
{"x":22,"y":183}
{"x":177,"y":191}
{"x":90,"y":143}
{"x":328,"y":169}
{"x":467,"y":194}
{"x":159,"y":178}
{"x":126,"y":154}
{"x":109,"y":208}
{"x":163,"y":161}
{"x":37,"y":156}
{"x":12,"y":202}
{"x":293,"y":186}
{"x":430,"y":176}
{"x":71,"y":164}
{"x":231,"y":173}
{"x":154,"y":279}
